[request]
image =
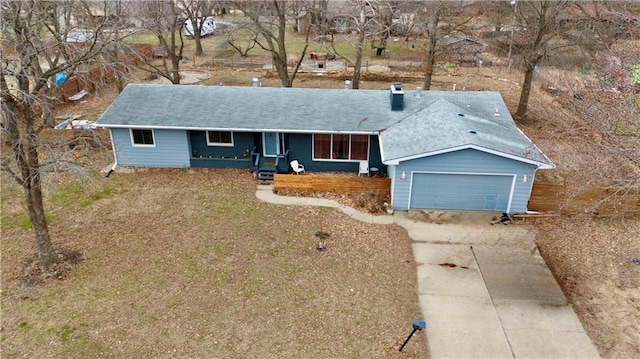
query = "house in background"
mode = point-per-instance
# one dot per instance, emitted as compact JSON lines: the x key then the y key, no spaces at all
{"x":462,"y":49}
{"x":441,"y":150}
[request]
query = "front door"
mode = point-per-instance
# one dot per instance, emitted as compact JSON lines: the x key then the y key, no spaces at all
{"x":271,"y":144}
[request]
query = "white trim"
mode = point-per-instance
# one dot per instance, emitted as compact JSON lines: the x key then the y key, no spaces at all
{"x":511,"y":191}
{"x":153,"y":136}
{"x":238,"y":129}
{"x":219,"y":144}
{"x":380,"y":148}
{"x":537,"y":148}
{"x":313,"y":148}
{"x":541,"y":165}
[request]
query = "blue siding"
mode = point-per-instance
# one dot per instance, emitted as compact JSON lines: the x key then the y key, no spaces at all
{"x":171,"y":149}
{"x":221,"y":163}
{"x":179,"y":148}
{"x":241,"y":141}
{"x":465,"y":161}
{"x":301,"y":148}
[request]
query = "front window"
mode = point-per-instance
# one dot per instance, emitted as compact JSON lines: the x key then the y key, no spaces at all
{"x":142,"y":137}
{"x":219,"y":138}
{"x":359,"y":147}
{"x":340,"y":147}
{"x":322,"y":146}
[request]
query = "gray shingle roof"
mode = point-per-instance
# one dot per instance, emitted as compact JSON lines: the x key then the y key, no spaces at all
{"x":444,"y":125}
{"x":427,"y":124}
{"x":250,"y":109}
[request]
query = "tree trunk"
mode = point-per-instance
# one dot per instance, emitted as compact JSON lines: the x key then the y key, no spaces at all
{"x":33,"y":191}
{"x":523,"y":104}
{"x":357,"y":66}
{"x":281,"y":64}
{"x":432,"y":40}
{"x":47,"y":108}
{"x":429,"y":62}
{"x":118,"y":78}
{"x":175,"y":70}
{"x":114,"y":53}
{"x":198,"y":42}
{"x":175,"y":58}
{"x":24,"y":148}
{"x":281,"y":68}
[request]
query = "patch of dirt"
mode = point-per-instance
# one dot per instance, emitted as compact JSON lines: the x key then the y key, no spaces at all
{"x":593,"y":261}
{"x":363,"y":202}
{"x":32,"y":274}
{"x":187,"y":77}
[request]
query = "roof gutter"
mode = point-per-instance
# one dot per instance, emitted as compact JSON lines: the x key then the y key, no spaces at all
{"x":540,"y":165}
{"x":235,"y":129}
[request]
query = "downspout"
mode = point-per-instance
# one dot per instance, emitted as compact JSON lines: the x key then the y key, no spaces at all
{"x":115,"y":157}
{"x":391,"y":173}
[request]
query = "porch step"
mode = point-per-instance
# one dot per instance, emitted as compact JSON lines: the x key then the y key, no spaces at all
{"x":266,"y":175}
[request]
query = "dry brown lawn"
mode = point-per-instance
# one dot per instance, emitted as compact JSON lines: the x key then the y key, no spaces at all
{"x":190,"y":264}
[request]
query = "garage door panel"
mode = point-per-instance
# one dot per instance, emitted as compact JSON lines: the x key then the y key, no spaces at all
{"x":461,"y":192}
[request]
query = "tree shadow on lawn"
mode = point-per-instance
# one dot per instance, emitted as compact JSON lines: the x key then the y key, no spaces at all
{"x":32,"y":275}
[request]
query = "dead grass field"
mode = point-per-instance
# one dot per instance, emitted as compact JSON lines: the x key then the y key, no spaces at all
{"x":191,"y":262}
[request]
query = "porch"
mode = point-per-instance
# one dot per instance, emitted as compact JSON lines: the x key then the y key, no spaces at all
{"x":266,"y":167}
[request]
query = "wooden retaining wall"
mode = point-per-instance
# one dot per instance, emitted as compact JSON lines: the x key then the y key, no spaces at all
{"x":351,"y":185}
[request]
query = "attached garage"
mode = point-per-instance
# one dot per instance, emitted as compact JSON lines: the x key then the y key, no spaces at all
{"x":477,"y":192}
{"x":460,"y":153}
{"x":465,"y":179}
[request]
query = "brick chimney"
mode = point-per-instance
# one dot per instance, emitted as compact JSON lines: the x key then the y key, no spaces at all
{"x":397,"y":97}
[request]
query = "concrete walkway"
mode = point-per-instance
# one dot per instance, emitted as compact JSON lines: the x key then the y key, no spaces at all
{"x":484,"y":290}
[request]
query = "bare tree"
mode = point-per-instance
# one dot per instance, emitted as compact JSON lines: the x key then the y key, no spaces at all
{"x":611,"y":108}
{"x":243,"y":39}
{"x":319,"y":16}
{"x":194,"y":10}
{"x":497,"y":12}
{"x":114,"y":54}
{"x":361,"y":24}
{"x":367,"y":18}
{"x":431,"y":33}
{"x":607,"y":20}
{"x":34,"y":51}
{"x":270,"y":20}
{"x":545,"y":27}
{"x":440,"y":18}
{"x":162,"y":18}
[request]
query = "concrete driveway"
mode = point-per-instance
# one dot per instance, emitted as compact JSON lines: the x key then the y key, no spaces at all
{"x":485,"y":291}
